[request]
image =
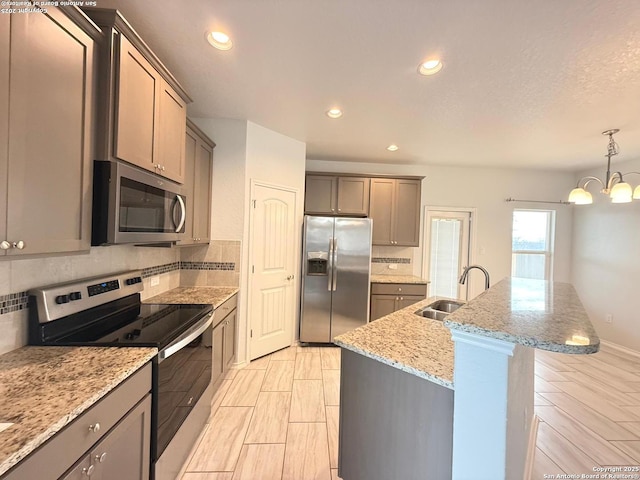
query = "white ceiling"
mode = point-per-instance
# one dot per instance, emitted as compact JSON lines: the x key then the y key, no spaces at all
{"x":524,"y":84}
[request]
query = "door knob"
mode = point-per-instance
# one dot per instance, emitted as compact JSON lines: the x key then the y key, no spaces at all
{"x":290,"y":277}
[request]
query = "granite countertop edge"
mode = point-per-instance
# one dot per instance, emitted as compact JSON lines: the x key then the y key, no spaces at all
{"x":213,"y":295}
{"x":397,"y":365}
{"x":38,"y":440}
{"x":524,"y":340}
{"x":380,"y":278}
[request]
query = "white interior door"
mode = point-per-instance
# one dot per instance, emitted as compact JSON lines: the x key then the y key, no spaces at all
{"x":273,"y":260}
{"x":448,"y":238}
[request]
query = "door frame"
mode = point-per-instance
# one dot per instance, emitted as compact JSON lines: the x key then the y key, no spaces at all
{"x":250,"y":252}
{"x":426,"y":235}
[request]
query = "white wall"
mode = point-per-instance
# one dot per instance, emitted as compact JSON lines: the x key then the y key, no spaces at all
{"x":278,"y":160}
{"x":485,"y":189}
{"x":229,"y":170}
{"x":606,"y":261}
{"x":247,"y":152}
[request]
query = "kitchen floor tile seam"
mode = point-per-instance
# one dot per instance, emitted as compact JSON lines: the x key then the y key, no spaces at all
{"x":591,"y":434}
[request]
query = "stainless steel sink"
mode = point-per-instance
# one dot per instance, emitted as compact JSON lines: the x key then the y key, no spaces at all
{"x":432,"y":314}
{"x":439,"y":309}
{"x":448,"y":306}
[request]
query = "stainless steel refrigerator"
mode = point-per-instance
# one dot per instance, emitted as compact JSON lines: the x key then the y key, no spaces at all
{"x":335,"y":279}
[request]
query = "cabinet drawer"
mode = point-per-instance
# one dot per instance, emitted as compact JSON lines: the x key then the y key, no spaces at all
{"x":398,"y":288}
{"x":68,"y":445}
{"x":225,"y":309}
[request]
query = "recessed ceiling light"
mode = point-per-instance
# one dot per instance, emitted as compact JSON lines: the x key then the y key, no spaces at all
{"x":220,"y":40}
{"x":392,"y":147}
{"x":334,"y":113}
{"x":430,"y":67}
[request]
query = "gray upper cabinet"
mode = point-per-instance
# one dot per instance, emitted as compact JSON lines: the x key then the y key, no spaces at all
{"x":395,"y":210}
{"x":198,"y":178}
{"x":143,"y":109}
{"x":46,"y":110}
{"x":336,"y":195}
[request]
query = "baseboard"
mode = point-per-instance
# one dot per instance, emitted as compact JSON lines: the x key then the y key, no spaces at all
{"x":620,"y":348}
{"x":531,"y":449}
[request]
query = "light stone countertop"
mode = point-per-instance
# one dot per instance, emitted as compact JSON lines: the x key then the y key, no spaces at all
{"x":215,"y":296}
{"x":534,"y":313}
{"x":404,"y":340}
{"x":398,"y":279}
{"x":42,"y":389}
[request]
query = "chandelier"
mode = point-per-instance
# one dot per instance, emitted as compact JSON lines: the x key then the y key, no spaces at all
{"x":613,"y":185}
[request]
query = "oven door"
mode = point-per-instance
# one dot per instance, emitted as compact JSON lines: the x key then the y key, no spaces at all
{"x":184,"y":373}
{"x":134,"y":206}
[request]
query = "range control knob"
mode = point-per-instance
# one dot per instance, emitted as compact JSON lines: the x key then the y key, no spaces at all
{"x":75,"y":296}
{"x":133,"y":280}
{"x":60,"y":299}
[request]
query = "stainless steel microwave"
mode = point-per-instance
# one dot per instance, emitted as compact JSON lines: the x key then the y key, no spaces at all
{"x":131,"y":205}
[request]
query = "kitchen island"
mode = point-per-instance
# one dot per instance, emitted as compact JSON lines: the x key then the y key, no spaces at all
{"x":400,"y":373}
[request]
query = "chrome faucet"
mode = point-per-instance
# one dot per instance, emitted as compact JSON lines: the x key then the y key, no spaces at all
{"x":465,"y":272}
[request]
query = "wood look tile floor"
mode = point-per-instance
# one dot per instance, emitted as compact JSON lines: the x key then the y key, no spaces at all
{"x":278,"y":417}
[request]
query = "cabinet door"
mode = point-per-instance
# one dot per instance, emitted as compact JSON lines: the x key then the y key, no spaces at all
{"x":381,"y":210}
{"x":137,"y":106}
{"x":230,"y":338}
{"x":125,"y":452}
{"x":202,"y":193}
{"x":218,"y":367}
{"x":382,"y":305}
{"x":320,"y":194}
{"x":407,"y":213}
{"x":353,"y":195}
{"x":170,"y":133}
{"x":50,"y":131}
{"x":81,"y":471}
{"x":191,"y":144}
{"x":407,"y":300}
{"x":4,"y":114}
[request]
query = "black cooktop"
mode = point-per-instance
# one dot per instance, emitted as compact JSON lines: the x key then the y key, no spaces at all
{"x":124,"y":322}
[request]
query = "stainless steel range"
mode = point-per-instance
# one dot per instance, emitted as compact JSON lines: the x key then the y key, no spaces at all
{"x":106,"y":311}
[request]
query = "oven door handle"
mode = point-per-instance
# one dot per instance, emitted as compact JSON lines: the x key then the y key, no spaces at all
{"x":186,"y":338}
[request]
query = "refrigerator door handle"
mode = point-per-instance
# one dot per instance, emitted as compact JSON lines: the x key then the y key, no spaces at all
{"x":330,"y":266}
{"x":335,"y":265}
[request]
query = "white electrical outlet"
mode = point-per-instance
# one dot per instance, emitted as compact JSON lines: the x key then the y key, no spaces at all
{"x":155,"y":280}
{"x":608,"y":318}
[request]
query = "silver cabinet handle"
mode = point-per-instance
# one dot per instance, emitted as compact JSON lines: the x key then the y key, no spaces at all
{"x":101,"y":458}
{"x":162,"y":167}
{"x":19,"y":245}
{"x":94,"y":428}
{"x":183,"y":213}
{"x":4,"y":245}
{"x":399,"y":289}
{"x":88,"y":471}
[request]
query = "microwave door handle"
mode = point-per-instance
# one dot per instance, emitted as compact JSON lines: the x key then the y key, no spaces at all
{"x":183,"y":212}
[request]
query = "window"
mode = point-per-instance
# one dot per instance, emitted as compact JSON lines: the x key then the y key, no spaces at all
{"x":532,"y":244}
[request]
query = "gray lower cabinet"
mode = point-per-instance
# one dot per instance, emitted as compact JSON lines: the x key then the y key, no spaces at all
{"x":387,"y":298}
{"x":336,"y":195}
{"x":395,"y":211}
{"x":198,"y":178}
{"x":224,"y":339}
{"x":47,"y":63}
{"x":111,"y":440}
{"x":393,"y":424}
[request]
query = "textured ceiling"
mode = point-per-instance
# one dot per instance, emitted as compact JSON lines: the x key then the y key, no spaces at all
{"x":524,"y":84}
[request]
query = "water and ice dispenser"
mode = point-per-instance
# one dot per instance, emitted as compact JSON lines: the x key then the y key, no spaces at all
{"x":317,"y":263}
